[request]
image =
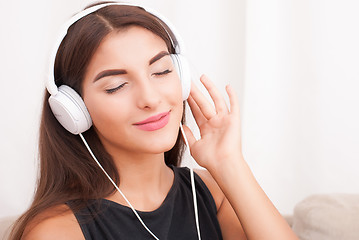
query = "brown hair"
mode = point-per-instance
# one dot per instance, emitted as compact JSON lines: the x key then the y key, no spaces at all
{"x":67,"y":171}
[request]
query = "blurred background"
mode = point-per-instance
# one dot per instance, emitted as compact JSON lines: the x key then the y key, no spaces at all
{"x":294,"y":65}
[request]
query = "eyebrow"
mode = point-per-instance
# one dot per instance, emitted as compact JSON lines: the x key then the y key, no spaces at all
{"x":111,"y":72}
{"x":114,"y":72}
{"x":158,"y":57}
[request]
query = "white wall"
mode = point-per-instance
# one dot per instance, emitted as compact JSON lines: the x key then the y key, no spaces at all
{"x":22,"y":56}
{"x":301,"y":114}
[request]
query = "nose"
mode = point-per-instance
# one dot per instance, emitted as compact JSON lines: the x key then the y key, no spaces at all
{"x":147,"y":94}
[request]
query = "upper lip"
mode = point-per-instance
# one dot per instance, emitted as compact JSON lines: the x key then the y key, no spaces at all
{"x":152,"y":118}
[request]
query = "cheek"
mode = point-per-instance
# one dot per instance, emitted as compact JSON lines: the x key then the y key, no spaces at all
{"x":174,"y":91}
{"x":172,"y":94}
{"x":175,"y":98}
{"x":105,"y":112}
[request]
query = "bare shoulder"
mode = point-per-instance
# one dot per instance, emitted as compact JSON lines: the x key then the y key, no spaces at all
{"x":212,"y":185}
{"x":57,"y":223}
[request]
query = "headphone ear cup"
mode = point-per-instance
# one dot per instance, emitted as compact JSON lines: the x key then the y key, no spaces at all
{"x":182,"y":67}
{"x":70,"y":110}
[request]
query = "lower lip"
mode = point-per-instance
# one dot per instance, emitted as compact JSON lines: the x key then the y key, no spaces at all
{"x":152,"y":126}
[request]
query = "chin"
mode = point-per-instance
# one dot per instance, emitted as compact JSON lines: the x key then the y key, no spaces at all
{"x":162,"y":145}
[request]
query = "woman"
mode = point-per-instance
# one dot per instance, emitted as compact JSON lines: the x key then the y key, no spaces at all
{"x":118,"y":59}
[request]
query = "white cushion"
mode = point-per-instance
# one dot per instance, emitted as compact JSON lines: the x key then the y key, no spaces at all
{"x":327,"y":217}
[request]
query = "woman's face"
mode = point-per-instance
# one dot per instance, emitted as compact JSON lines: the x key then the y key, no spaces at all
{"x":133,"y":93}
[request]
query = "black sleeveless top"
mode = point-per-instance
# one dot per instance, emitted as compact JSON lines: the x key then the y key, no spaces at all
{"x":174,"y":219}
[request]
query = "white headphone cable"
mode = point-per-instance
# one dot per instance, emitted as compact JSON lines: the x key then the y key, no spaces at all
{"x":128,"y":202}
{"x":193,"y":186}
{"x":118,"y":189}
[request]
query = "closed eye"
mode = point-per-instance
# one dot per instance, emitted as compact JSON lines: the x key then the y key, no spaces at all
{"x":162,"y":73}
{"x":113,"y":90}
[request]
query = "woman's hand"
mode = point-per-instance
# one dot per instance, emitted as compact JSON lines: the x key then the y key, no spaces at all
{"x":219,"y":151}
{"x":220,"y":141}
{"x":218,"y":148}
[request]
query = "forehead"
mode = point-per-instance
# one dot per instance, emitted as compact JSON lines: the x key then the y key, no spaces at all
{"x":132,"y":43}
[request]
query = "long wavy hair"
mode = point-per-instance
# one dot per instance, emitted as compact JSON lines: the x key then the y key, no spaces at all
{"x":67,"y":171}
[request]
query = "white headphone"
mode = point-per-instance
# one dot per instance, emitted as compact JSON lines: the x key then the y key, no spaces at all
{"x":68,"y":106}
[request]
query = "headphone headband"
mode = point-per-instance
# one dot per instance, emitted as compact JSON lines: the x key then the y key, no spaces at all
{"x":67,"y":105}
{"x":50,"y":84}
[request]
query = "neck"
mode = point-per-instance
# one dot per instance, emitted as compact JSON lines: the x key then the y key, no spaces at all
{"x":145,"y":180}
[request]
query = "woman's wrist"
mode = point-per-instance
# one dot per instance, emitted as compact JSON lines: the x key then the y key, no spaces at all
{"x":226,"y":164}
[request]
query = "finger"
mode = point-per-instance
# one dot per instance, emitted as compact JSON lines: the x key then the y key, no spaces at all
{"x":233,"y":100}
{"x":196,"y":111}
{"x":218,"y":100}
{"x":203,"y":104}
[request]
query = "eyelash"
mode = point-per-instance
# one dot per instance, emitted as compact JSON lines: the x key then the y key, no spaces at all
{"x":112,"y":90}
{"x":162,"y":73}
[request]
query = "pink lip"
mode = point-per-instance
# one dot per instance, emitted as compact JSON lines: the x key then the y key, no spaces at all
{"x":154,"y":122}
